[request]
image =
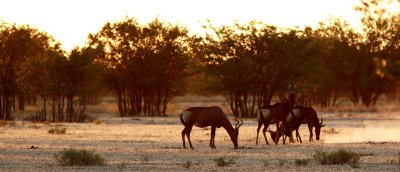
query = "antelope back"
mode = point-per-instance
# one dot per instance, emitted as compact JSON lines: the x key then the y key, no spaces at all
{"x":204,"y":116}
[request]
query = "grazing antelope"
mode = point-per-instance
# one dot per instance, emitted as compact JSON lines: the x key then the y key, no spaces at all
{"x":304,"y":115}
{"x":208,"y":116}
{"x":277,"y":114}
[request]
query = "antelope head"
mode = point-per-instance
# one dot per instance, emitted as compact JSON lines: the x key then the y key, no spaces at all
{"x":236,"y":134}
{"x":318,"y":129}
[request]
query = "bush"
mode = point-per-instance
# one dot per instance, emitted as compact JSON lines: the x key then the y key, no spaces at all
{"x":221,"y":161}
{"x":339,"y":157}
{"x":73,"y":157}
{"x":299,"y":162}
{"x":57,"y":130}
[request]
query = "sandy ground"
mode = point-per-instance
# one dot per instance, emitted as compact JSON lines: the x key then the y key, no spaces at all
{"x":154,"y":144}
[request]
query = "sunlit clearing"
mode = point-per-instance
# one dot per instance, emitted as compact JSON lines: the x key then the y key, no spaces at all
{"x":374,"y":131}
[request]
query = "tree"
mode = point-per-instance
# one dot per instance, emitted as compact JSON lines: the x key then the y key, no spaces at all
{"x":146,"y":64}
{"x":252,"y":63}
{"x":17,"y":45}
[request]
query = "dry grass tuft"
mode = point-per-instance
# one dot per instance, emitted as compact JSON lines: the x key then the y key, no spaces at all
{"x":222,"y":162}
{"x":330,"y":131}
{"x":303,"y":162}
{"x":341,"y":156}
{"x":73,"y":157}
{"x":58,"y":129}
{"x":187,"y":164}
{"x":394,"y":161}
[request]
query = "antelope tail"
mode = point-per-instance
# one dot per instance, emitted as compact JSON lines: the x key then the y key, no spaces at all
{"x":183,"y":122}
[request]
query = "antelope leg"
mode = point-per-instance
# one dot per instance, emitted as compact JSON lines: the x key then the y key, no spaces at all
{"x":183,"y":137}
{"x":188,"y":130}
{"x":265,"y":130}
{"x":212,"y":136}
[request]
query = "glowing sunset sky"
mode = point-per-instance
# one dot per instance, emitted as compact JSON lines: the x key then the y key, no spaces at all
{"x":70,"y":21}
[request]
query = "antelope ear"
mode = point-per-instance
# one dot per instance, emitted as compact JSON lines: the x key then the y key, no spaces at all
{"x":323,"y":125}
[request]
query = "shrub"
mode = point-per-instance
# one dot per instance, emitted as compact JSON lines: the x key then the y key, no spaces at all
{"x":57,"y":130}
{"x":299,"y":162}
{"x":221,"y":161}
{"x":341,"y":156}
{"x":73,"y":157}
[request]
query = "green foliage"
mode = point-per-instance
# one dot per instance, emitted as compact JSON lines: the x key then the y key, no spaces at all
{"x":73,"y":157}
{"x":220,"y":161}
{"x":341,"y":156}
{"x":57,"y":130}
{"x":303,"y":162}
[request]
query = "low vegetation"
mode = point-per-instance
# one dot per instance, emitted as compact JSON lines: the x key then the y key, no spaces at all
{"x":222,"y":162}
{"x":341,"y":156}
{"x":73,"y":157}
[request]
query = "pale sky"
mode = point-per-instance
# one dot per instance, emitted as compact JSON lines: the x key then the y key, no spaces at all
{"x":70,"y":21}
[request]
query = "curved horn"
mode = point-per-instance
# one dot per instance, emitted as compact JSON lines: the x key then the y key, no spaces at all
{"x":321,"y":124}
{"x":321,"y":120}
{"x":240,"y":123}
{"x":236,"y":125}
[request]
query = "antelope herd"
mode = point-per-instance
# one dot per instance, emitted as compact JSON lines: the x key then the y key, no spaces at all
{"x":286,"y":116}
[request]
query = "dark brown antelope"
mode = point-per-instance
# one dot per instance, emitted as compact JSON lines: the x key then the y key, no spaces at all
{"x":208,"y":116}
{"x":277,"y":114}
{"x":304,"y":115}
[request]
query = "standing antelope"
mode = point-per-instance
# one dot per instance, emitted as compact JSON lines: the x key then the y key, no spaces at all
{"x":208,"y":116}
{"x":277,"y":114}
{"x":304,"y":115}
